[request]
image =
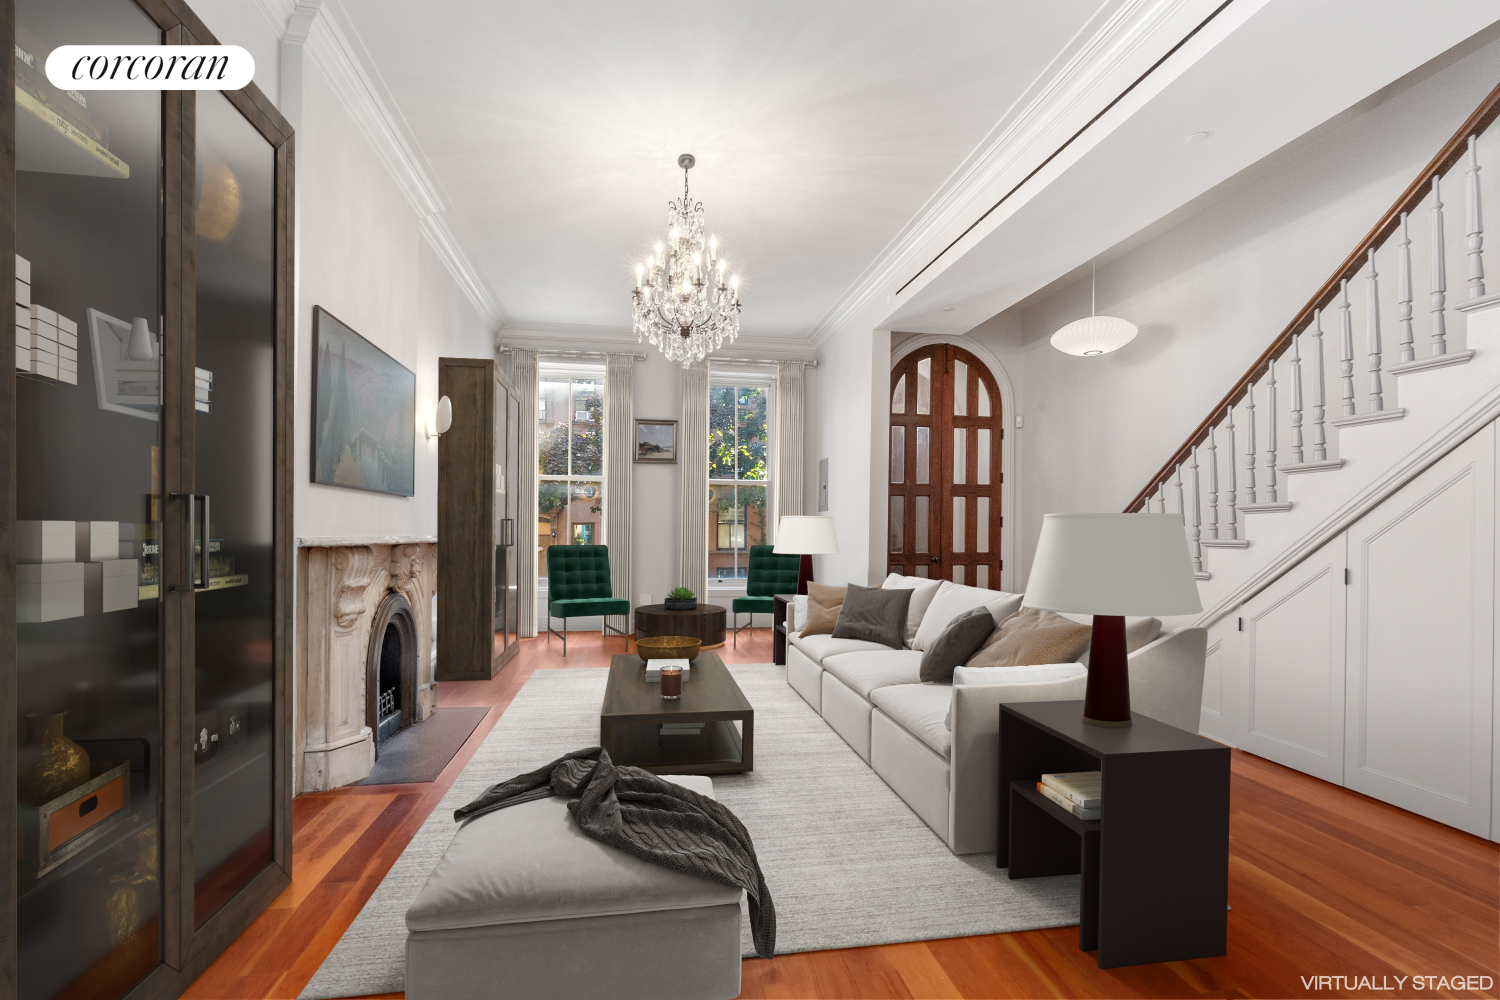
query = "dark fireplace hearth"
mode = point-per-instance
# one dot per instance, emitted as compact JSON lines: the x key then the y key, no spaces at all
{"x":391,"y":670}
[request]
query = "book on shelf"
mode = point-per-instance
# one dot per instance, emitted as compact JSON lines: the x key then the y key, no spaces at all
{"x":653,"y":668}
{"x":1058,"y":797}
{"x":682,"y":728}
{"x":1082,"y":788}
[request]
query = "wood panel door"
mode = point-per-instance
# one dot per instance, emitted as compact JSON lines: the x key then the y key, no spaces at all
{"x":1421,"y":642}
{"x":1290,"y":667}
{"x":943,"y":513}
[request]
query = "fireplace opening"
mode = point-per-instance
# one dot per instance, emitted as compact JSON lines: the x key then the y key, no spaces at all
{"x":391,"y":677}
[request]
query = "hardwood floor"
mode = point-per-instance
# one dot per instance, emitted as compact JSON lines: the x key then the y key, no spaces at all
{"x":1322,"y":881}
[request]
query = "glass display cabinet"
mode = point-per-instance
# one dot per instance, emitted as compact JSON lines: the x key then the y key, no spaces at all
{"x":477,"y":472}
{"x":145,"y":560}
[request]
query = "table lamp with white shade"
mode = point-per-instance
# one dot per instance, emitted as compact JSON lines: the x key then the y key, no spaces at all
{"x":805,"y":536}
{"x":1110,"y":566}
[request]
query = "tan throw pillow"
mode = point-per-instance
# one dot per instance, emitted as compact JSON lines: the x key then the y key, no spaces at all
{"x":1032,"y":636}
{"x":823,"y":604}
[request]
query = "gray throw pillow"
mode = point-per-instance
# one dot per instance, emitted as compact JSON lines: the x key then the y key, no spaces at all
{"x":873,"y":615}
{"x":956,"y":644}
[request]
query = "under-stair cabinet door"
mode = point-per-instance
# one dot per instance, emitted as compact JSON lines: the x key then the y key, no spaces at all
{"x":1290,"y":665}
{"x":944,"y":502}
{"x":1421,"y":642}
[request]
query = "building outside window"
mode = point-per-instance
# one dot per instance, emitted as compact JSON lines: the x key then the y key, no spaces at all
{"x":570,"y":461}
{"x":739,"y":459}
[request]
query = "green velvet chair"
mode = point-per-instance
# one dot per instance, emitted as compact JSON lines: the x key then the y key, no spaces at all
{"x":578,"y":587}
{"x":770,"y":574}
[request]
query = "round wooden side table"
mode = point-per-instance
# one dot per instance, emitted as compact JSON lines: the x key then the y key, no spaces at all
{"x":705,"y":623}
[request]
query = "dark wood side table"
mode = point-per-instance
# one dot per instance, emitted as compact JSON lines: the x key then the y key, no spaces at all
{"x":704,"y":623}
{"x":1156,"y":866}
{"x":778,"y":628}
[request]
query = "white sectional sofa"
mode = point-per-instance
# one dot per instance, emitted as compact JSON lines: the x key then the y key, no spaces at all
{"x":873,"y":697}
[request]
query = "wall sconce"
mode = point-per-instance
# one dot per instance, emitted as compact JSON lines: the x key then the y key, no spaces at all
{"x":442,"y":419}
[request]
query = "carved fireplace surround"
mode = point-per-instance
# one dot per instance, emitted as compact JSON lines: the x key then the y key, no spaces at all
{"x":342,"y":583}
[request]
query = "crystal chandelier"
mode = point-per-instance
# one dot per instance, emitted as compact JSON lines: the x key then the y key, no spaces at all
{"x":684,"y":304}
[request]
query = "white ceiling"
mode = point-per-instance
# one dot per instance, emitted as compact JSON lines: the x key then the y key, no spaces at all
{"x":821,"y":129}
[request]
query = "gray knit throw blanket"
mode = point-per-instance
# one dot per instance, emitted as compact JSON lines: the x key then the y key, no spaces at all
{"x":656,"y":820}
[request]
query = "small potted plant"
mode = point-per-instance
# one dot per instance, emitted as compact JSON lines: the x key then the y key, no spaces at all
{"x":682,"y":599}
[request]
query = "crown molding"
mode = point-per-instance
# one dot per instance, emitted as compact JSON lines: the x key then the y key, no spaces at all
{"x":1084,"y":77}
{"x":571,"y":337}
{"x":331,"y":49}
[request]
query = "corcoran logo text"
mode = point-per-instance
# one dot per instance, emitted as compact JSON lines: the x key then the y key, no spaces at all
{"x":150,"y":67}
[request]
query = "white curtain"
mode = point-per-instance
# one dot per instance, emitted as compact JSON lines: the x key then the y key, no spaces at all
{"x":692,"y":453}
{"x":789,"y":462}
{"x":619,"y":458}
{"x":523,"y":378}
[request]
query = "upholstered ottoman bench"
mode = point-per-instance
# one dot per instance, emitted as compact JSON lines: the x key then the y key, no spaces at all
{"x":525,"y":904}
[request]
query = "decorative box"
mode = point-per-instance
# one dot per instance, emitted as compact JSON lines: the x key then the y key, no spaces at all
{"x":110,"y":585}
{"x":23,"y":292}
{"x":67,"y":332}
{"x":23,"y":269}
{"x":96,"y":541}
{"x":46,"y":541}
{"x":23,"y":358}
{"x":55,"y":831}
{"x":47,"y":592}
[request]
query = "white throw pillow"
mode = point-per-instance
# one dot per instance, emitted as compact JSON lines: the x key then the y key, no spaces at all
{"x":952,"y":600}
{"x":798,"y":612}
{"x":1138,"y":632}
{"x":1042,"y":673}
{"x":922,"y":593}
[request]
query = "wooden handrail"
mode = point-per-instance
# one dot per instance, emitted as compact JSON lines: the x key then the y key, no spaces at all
{"x":1452,"y":151}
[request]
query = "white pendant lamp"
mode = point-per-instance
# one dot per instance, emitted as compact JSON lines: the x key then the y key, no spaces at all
{"x":1094,"y":334}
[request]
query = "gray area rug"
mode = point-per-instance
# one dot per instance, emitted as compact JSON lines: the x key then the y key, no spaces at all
{"x":420,"y":752}
{"x":847,"y":862}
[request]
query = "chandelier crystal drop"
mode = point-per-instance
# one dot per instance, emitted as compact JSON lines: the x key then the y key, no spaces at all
{"x":686,"y":303}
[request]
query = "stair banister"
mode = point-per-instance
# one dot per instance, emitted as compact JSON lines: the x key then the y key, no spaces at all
{"x":1271,"y":430}
{"x":1439,"y":274}
{"x":1346,"y":357}
{"x":1377,"y":391}
{"x":1320,"y":437}
{"x":1476,"y":226}
{"x":1297,"y":399}
{"x":1250,"y":444}
{"x":1233,"y":494}
{"x":1408,"y":347}
{"x":1453,"y":150}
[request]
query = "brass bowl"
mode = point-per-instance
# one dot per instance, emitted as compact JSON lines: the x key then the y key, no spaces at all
{"x":668,"y":647}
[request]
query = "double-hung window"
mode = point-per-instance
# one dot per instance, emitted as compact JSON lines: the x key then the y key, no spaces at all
{"x":739,"y":477}
{"x":570,"y":460}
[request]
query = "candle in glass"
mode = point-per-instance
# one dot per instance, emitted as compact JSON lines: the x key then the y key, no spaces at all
{"x":671,"y":683}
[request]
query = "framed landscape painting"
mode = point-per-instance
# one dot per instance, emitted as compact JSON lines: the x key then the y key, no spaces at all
{"x":656,"y":441}
{"x":364,"y":433}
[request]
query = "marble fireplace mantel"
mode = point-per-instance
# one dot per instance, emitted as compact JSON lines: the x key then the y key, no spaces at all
{"x":342,"y":581}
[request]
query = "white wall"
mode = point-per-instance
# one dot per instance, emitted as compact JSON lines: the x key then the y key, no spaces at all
{"x":1210,"y":288}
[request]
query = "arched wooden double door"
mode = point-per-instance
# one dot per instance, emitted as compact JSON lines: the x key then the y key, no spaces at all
{"x":944,"y":511}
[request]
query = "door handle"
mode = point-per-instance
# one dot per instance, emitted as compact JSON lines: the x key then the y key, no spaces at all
{"x":936,"y":559}
{"x":187,"y":549}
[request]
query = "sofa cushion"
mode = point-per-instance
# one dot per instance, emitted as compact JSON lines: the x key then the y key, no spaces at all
{"x":922,"y":592}
{"x":532,"y":862}
{"x":1034,"y":636}
{"x":1138,"y":632}
{"x":952,"y":600}
{"x":957,"y":643}
{"x":920,"y":709}
{"x":819,"y":647}
{"x":823,"y":603}
{"x":864,"y":672}
{"x":873,"y":614}
{"x":1045,"y":673}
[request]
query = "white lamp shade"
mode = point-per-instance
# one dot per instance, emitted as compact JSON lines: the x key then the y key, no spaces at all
{"x":1113,"y":564}
{"x":1094,"y":335}
{"x":811,"y":536}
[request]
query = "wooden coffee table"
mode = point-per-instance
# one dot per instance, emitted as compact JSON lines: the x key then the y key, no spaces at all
{"x":633,"y":712}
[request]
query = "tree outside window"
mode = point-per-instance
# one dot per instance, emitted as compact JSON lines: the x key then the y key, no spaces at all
{"x":738,"y":476}
{"x":570,"y":464}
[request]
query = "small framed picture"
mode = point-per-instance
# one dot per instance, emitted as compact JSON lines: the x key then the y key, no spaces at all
{"x":656,"y":441}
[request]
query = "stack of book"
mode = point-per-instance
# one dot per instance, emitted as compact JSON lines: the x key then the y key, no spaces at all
{"x":653,"y":669}
{"x":682,"y":728}
{"x":1079,"y":792}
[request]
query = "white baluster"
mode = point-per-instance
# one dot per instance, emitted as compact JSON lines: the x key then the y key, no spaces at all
{"x":1320,"y":441}
{"x":1196,"y":520}
{"x":1439,"y":275}
{"x":1180,"y":508}
{"x":1408,"y":348}
{"x":1213,"y":486}
{"x":1377,"y":394}
{"x":1271,"y":432}
{"x":1161,"y":497}
{"x":1250,"y":444}
{"x":1476,"y":227}
{"x":1346,"y":360}
{"x":1231,"y":498}
{"x":1297,"y":399}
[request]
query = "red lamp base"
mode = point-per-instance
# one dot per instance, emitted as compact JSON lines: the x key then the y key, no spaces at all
{"x":804,"y":573}
{"x":1106,"y":702}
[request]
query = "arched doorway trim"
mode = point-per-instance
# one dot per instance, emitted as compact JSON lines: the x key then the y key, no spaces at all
{"x":1009,"y":465}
